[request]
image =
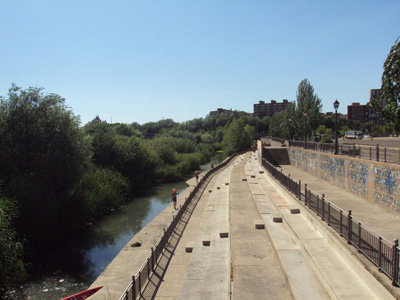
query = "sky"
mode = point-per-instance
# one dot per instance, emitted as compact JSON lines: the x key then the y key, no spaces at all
{"x":142,"y":61}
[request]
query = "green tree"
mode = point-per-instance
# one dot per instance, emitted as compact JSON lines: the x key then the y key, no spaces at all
{"x":388,"y":105}
{"x":308,"y":108}
{"x":238,"y":136}
{"x":41,"y":159}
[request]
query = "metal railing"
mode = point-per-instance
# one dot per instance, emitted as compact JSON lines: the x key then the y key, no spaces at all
{"x":381,"y":252}
{"x":138,"y":282}
{"x":376,"y":152}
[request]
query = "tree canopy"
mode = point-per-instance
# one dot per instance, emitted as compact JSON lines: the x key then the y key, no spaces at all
{"x":389,"y":104}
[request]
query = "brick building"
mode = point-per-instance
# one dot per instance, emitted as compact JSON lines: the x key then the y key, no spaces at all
{"x":263,"y":109}
{"x":358,"y":112}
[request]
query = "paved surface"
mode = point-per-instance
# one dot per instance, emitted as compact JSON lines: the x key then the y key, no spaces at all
{"x":288,"y":260}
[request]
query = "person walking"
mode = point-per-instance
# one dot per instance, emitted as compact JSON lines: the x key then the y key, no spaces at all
{"x":174,"y":192}
{"x":212,"y":165}
{"x":197,"y":173}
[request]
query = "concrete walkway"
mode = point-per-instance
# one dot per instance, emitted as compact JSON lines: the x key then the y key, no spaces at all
{"x":256,"y":271}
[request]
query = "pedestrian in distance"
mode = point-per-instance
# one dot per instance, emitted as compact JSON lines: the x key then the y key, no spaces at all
{"x":197,"y":172}
{"x":174,"y":192}
{"x":212,"y":164}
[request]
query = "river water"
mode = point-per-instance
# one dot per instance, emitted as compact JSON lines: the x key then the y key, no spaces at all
{"x":106,"y":240}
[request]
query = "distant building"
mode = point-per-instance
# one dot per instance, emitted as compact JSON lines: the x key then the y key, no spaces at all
{"x":221,"y":110}
{"x":263,"y":109}
{"x":358,"y":112}
{"x":97,"y":120}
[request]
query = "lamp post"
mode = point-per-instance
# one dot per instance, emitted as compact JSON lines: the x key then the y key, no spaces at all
{"x":336,"y":106}
{"x":305,"y":132}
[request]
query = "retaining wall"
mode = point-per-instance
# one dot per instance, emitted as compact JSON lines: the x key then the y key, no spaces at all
{"x":375,"y":181}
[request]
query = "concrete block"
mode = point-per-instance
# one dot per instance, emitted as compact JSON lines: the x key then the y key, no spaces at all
{"x":294,"y":211}
{"x":189,"y":247}
{"x":223,"y":234}
{"x":253,"y":176}
{"x":218,"y":187}
{"x":206,"y":241}
{"x":277,"y":219}
{"x":261,"y":172}
{"x":244,"y":179}
{"x":259,"y":224}
{"x":209,"y":191}
{"x":226,"y":183}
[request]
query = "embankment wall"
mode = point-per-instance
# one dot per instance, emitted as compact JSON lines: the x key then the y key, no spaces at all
{"x":377,"y":182}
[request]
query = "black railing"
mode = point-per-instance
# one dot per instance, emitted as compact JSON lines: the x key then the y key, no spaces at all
{"x":135,"y":288}
{"x":380,"y":251}
{"x":377,"y":153}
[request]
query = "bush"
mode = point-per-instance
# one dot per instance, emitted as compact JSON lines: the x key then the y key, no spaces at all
{"x":102,"y":190}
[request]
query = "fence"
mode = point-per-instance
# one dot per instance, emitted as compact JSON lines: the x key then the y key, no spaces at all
{"x":378,"y":153}
{"x":139,"y":280}
{"x":380,"y":251}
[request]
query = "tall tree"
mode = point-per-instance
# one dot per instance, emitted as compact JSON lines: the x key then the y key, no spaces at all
{"x":308,"y":108}
{"x":388,"y":105}
{"x":41,"y":159}
{"x":237,"y":136}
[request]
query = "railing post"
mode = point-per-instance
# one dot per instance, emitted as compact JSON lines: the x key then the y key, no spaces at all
{"x":359,"y":236}
{"x":323,"y":207}
{"x":370,"y":153}
{"x":139,"y":285}
{"x":377,"y":152}
{"x":318,"y":206}
{"x":305,"y":194}
{"x":349,"y":227}
{"x":354,"y":149}
{"x":341,"y":149}
{"x":126,"y":295}
{"x":152,"y":259}
{"x":380,"y":255}
{"x":341,"y":222}
{"x":148,"y":268}
{"x":299,"y":190}
{"x":134,"y":287}
{"x":395,"y":262}
{"x":329,"y":213}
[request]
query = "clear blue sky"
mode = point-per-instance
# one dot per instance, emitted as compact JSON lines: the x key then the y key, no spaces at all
{"x":140,"y":61}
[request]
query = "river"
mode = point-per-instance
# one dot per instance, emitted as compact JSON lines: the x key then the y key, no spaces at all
{"x":107,"y":238}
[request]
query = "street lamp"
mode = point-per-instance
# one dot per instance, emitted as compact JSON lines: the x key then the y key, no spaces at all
{"x":336,"y":106}
{"x":305,"y":133}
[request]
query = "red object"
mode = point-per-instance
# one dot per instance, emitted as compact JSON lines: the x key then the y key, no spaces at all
{"x":83,"y":295}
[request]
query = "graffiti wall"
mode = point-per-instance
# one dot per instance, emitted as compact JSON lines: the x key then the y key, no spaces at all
{"x":375,"y":181}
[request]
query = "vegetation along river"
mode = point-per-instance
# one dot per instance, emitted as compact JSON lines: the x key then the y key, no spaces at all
{"x":108,"y":236}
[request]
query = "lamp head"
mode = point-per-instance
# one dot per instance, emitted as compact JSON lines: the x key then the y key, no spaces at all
{"x":336,"y":104}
